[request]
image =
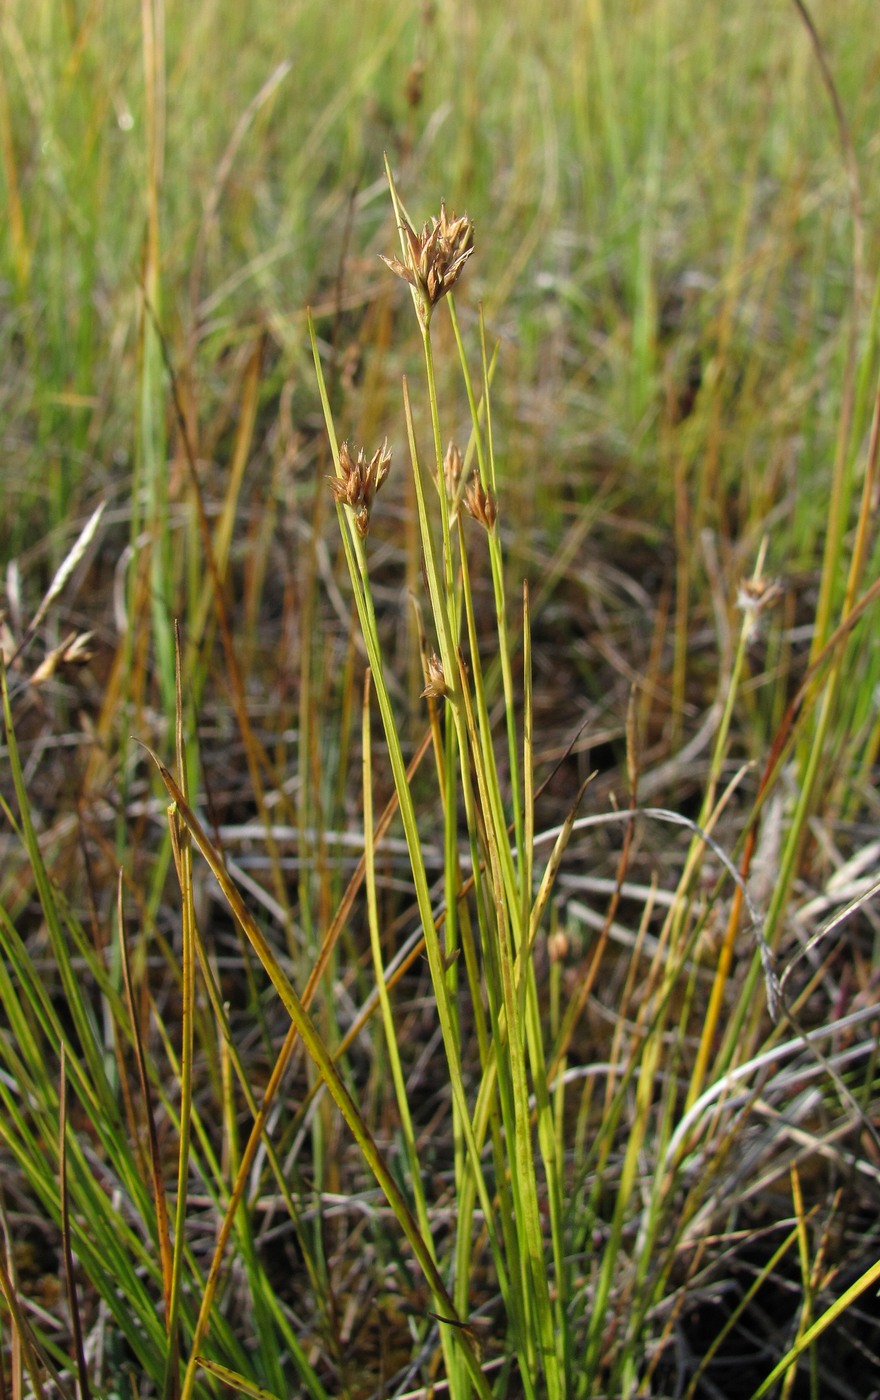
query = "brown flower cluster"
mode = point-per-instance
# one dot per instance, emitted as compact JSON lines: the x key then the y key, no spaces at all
{"x":435,"y":681}
{"x":481,"y":504}
{"x":359,"y":480}
{"x":434,"y":260}
{"x":754,"y":596}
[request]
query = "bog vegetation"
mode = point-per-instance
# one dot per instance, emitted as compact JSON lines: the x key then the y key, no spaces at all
{"x":440,"y":700}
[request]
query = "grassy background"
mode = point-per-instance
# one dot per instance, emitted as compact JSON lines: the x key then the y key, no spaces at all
{"x":651,"y":183}
{"x":685,"y":301}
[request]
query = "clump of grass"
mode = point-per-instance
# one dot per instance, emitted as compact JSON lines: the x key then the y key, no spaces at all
{"x":564,"y":1196}
{"x":494,"y":938}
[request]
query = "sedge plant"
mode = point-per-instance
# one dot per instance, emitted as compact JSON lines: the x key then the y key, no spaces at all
{"x":585,"y":1225}
{"x":507,"y":1173}
{"x":510,"y":1162}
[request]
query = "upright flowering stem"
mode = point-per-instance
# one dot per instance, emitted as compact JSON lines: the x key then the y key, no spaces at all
{"x":441,"y":479}
{"x":481,"y":504}
{"x":431,"y":264}
{"x":434,"y":260}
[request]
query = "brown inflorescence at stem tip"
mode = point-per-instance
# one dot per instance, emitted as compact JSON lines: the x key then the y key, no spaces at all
{"x":433,"y":261}
{"x":435,"y":681}
{"x":481,"y":504}
{"x":359,"y":480}
{"x":754,"y":596}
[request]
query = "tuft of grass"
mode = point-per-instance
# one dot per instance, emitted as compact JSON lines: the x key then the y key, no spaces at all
{"x":516,"y":1036}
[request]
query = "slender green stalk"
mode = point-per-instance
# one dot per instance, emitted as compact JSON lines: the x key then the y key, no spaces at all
{"x":181,"y":846}
{"x":397,"y":1075}
{"x":152,"y":448}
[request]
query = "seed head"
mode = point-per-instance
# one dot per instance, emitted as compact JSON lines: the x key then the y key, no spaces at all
{"x":435,"y":681}
{"x":754,"y":596}
{"x":75,"y":650}
{"x":359,"y":480}
{"x":433,"y":261}
{"x":481,"y":504}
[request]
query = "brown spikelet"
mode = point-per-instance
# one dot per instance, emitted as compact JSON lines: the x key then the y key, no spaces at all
{"x":435,"y":681}
{"x":434,"y":260}
{"x":359,"y":480}
{"x":481,"y":504}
